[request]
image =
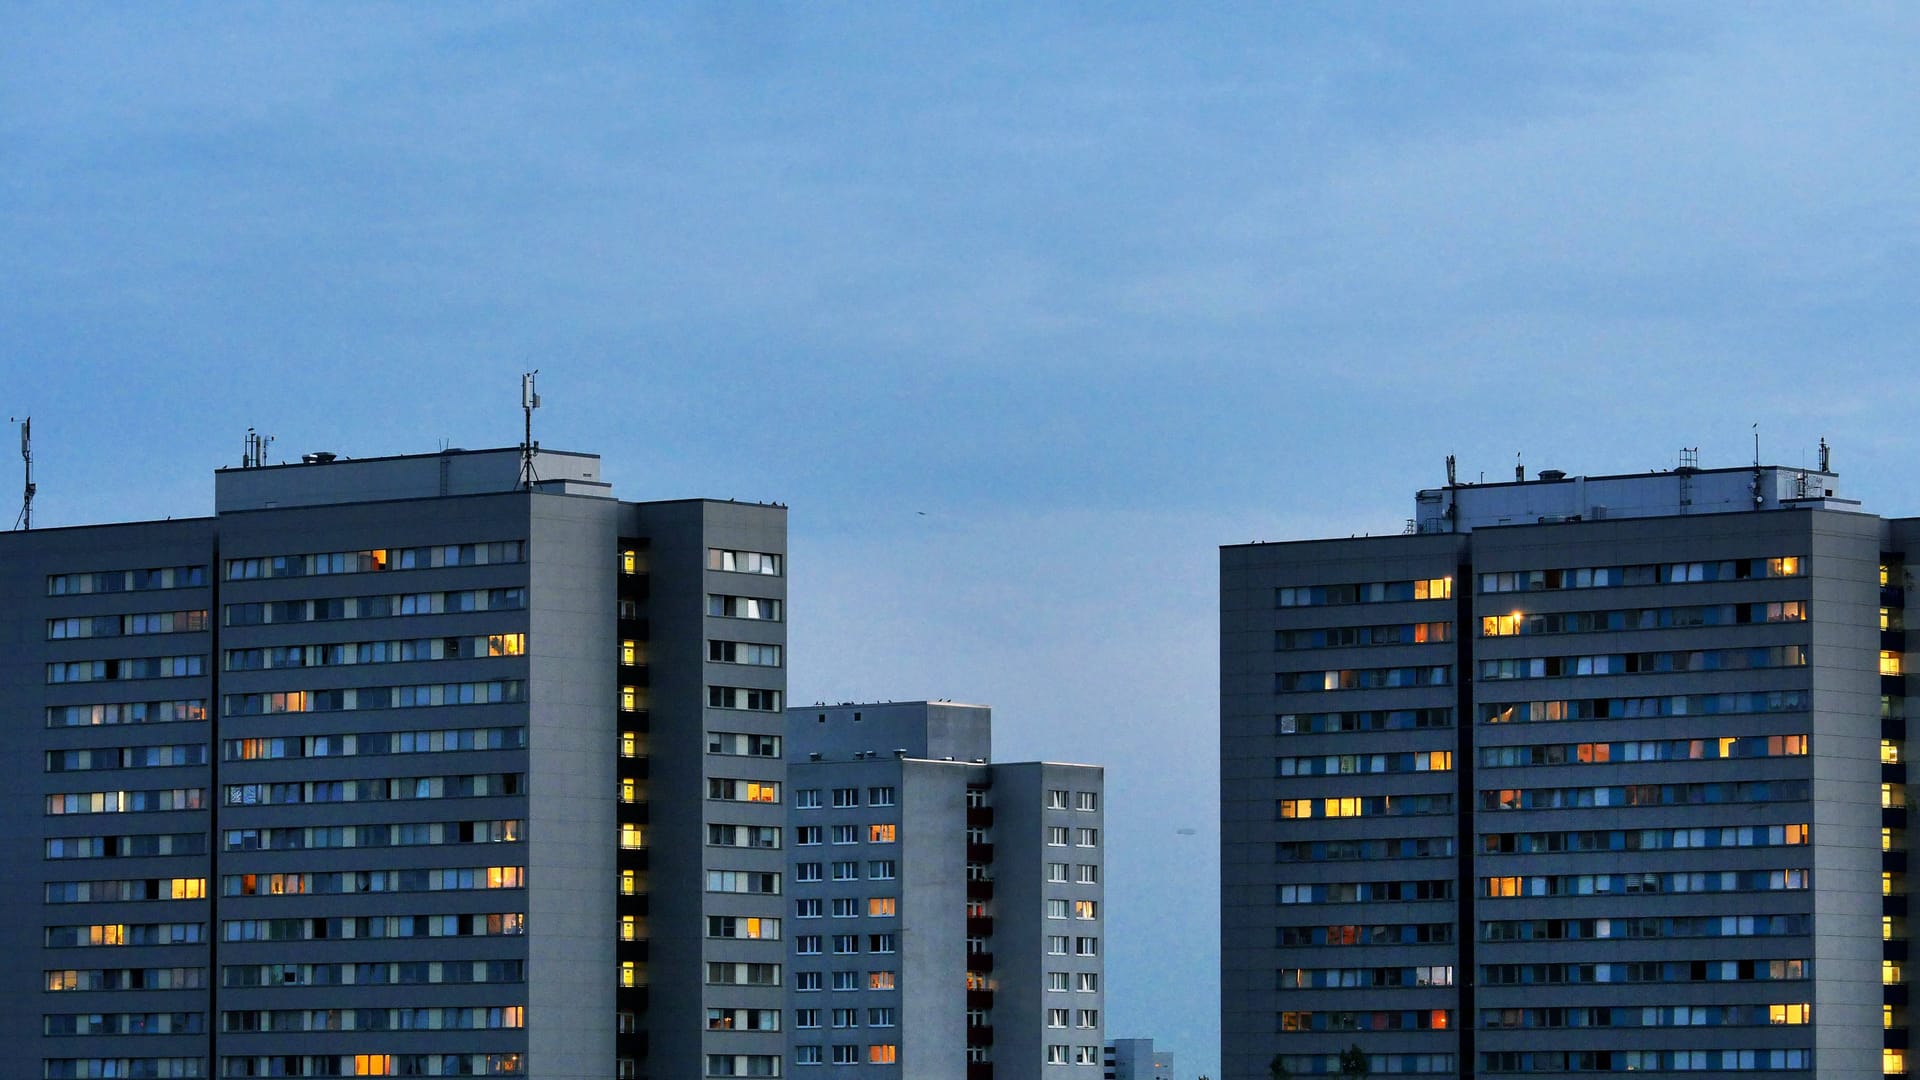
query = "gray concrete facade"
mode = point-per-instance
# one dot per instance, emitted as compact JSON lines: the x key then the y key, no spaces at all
{"x":1668,"y":832}
{"x":388,"y":794}
{"x":966,"y":873}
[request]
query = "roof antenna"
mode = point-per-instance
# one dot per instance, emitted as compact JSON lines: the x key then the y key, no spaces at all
{"x":25,"y":521}
{"x":1826,"y":455}
{"x":1451,"y":481}
{"x":529,"y":401}
{"x":255,"y":454}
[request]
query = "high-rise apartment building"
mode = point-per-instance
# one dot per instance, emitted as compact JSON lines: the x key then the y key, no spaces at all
{"x":946,"y":910}
{"x":396,"y":767}
{"x":1581,"y":774}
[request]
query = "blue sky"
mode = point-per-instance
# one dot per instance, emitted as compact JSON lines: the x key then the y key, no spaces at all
{"x":1023,"y":309}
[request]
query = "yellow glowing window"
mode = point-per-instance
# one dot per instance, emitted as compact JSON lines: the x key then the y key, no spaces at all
{"x":629,"y":976}
{"x":372,"y":1064}
{"x":882,"y":1054}
{"x":1889,"y":752}
{"x":190,"y":888}
{"x":513,"y":1016}
{"x":1889,"y":662}
{"x":629,"y":927}
{"x":880,"y":834}
{"x":1502,"y":625}
{"x":506,"y":877}
{"x":1437,"y":1020}
{"x":1789,"y":1014}
{"x":629,"y":561}
{"x":1893,"y":1062}
{"x":629,"y":789}
{"x":1346,"y":807}
{"x":1503,"y":886}
{"x":629,"y":882}
{"x":1783,"y":567}
{"x":108,"y":934}
{"x":631,"y":837}
{"x":506,"y":644}
{"x":759,"y":792}
{"x":1890,"y":973}
{"x":882,"y":906}
{"x":1433,"y":588}
{"x":629,"y":652}
{"x":629,"y":698}
{"x":63,"y":980}
{"x":1795,"y":834}
{"x":629,"y":743}
{"x":1439,"y":760}
{"x":1296,"y":808}
{"x":883,"y":980}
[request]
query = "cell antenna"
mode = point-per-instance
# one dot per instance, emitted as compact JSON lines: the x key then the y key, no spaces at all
{"x":1826,"y":455}
{"x":24,"y":522}
{"x":1450,"y":471}
{"x":529,"y":401}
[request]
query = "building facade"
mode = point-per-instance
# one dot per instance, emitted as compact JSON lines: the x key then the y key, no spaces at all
{"x":919,"y":867}
{"x":1581,"y":774}
{"x":397,"y":766}
{"x":1136,"y":1059}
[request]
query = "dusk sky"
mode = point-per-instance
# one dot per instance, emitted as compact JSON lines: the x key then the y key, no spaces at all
{"x":1023,"y":310}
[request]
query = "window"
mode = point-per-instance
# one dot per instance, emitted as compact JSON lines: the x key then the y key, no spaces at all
{"x":806,"y":799}
{"x":1056,"y":799}
{"x":1086,"y":1018}
{"x":1056,"y":980}
{"x":882,"y":907}
{"x":1087,"y":874}
{"x":807,"y":945}
{"x":807,"y":871}
{"x":1086,"y":800}
{"x":806,"y":1018}
{"x":1086,"y":909}
{"x":846,"y":980}
{"x":880,"y":1017}
{"x":1057,"y":871}
{"x":1086,"y":837}
{"x":880,"y":834}
{"x":846,"y":907}
{"x":880,"y":943}
{"x":806,"y":835}
{"x":846,"y":796}
{"x":846,"y":834}
{"x":1056,"y":944}
{"x":729,"y":790}
{"x":846,"y":944}
{"x":846,"y":1054}
{"x":1087,"y":982}
{"x":881,"y":869}
{"x":1056,"y":1053}
{"x":883,"y":1054}
{"x":1057,"y":1018}
{"x":807,"y":1054}
{"x":1056,"y":909}
{"x":743,"y":607}
{"x":743,"y":652}
{"x":1057,"y":835}
{"x":742,"y":697}
{"x":807,"y":980}
{"x":880,"y":796}
{"x":1086,"y":946}
{"x":743,"y":562}
{"x":739,"y":744}
{"x":880,"y":980}
{"x":807,"y":909}
{"x":845,"y":1018}
{"x":846,"y":870}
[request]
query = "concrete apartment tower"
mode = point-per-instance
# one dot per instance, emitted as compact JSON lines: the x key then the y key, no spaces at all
{"x":1136,"y":1059}
{"x":947,"y":910}
{"x":1581,"y":774}
{"x":397,"y":767}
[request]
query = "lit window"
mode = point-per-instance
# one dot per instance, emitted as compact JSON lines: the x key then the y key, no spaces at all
{"x":882,"y":906}
{"x":629,"y":927}
{"x":629,"y":652}
{"x":631,"y":837}
{"x":1893,"y":1062}
{"x":629,"y":974}
{"x":1890,"y":974}
{"x":629,"y":744}
{"x":1889,"y":752}
{"x":883,"y":1054}
{"x":879,"y":980}
{"x":1789,"y":1014}
{"x":629,"y":698}
{"x":371,"y":1064}
{"x":1890,"y":662}
{"x":880,"y":834}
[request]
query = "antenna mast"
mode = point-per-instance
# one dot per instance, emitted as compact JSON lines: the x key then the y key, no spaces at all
{"x":25,"y":521}
{"x":529,"y":401}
